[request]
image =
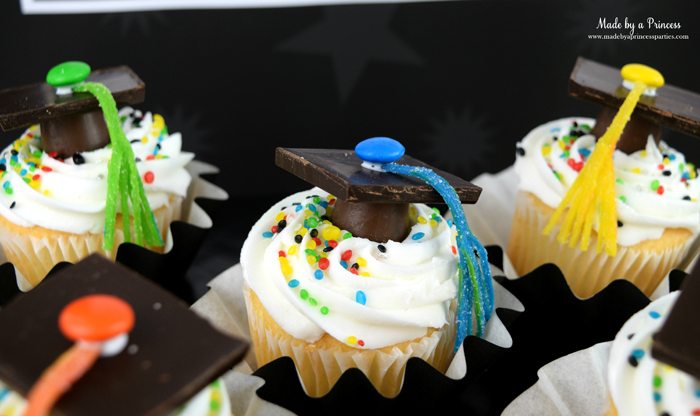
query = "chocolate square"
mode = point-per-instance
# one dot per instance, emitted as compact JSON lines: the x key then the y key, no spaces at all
{"x":678,"y":342}
{"x":171,"y":355}
{"x":340,"y":173}
{"x":673,"y":107}
{"x":31,"y":104}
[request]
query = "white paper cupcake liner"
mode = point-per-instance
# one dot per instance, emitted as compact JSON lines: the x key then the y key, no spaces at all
{"x":575,"y":384}
{"x":224,"y":306}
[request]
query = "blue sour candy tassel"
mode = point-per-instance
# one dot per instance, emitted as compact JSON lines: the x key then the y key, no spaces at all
{"x":475,"y":284}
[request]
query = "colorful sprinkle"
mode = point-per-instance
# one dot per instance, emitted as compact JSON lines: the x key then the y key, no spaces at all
{"x":417,"y":236}
{"x":352,"y":340}
{"x":360,"y":297}
{"x":361,"y":262}
{"x":304,"y":294}
{"x":293,"y":283}
{"x":381,"y":248}
{"x":318,"y":274}
{"x":324,"y":310}
{"x":347,"y":255}
{"x":267,"y":234}
{"x":331,"y":233}
{"x":323,"y":264}
{"x":655,"y":315}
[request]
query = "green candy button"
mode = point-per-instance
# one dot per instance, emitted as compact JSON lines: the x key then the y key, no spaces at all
{"x":68,"y":73}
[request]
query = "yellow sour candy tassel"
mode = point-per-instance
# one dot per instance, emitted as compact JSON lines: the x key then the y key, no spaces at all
{"x":592,"y":195}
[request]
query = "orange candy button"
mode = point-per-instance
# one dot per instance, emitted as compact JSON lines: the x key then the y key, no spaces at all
{"x":96,"y":318}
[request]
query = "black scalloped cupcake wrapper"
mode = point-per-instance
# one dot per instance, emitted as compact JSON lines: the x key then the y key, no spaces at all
{"x":167,"y":270}
{"x":555,"y":323}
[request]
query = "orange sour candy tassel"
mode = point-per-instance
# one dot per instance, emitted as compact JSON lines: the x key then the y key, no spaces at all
{"x":90,"y":321}
{"x":58,"y":378}
{"x":591,"y":199}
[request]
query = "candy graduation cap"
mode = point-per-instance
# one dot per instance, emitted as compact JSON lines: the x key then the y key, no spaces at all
{"x":97,"y":338}
{"x":77,"y":112}
{"x":678,"y":342}
{"x":645,"y":104}
{"x":374,"y":185}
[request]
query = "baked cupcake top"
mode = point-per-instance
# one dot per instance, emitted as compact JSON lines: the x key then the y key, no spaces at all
{"x":656,"y":188}
{"x":41,"y":189}
{"x":314,"y":278}
{"x":641,"y":385}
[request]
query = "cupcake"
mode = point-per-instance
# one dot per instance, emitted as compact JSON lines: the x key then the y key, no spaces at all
{"x":65,"y":193}
{"x":599,"y":214}
{"x":642,"y":371}
{"x":97,"y":338}
{"x":640,"y":384}
{"x":320,"y":291}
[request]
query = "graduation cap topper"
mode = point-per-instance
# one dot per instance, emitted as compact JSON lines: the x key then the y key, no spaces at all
{"x":373,"y":191}
{"x":678,"y":342}
{"x":70,"y":122}
{"x":640,"y":89}
{"x":665,"y":105}
{"x":77,"y":111}
{"x":170,"y":353}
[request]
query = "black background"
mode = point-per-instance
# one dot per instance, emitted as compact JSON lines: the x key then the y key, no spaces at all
{"x":457,"y":82}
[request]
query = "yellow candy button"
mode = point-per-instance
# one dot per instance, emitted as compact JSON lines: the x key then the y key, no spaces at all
{"x":642,"y":73}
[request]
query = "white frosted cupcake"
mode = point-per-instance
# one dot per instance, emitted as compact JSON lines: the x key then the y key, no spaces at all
{"x":621,"y":377}
{"x":641,"y":385}
{"x":331,"y":301}
{"x":53,"y":210}
{"x":657,"y":199}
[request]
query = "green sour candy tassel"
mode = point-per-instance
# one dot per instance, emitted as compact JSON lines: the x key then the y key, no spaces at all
{"x":124,"y":184}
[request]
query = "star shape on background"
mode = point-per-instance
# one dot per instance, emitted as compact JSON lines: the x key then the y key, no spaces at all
{"x":582,"y":19}
{"x":353,"y":37}
{"x":141,"y":22}
{"x":196,"y":137}
{"x":461,"y":143}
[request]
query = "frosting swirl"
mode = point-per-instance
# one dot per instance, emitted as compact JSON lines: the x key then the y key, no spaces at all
{"x":43,"y":189}
{"x":639,"y":384}
{"x":314,"y":278}
{"x":655,"y":187}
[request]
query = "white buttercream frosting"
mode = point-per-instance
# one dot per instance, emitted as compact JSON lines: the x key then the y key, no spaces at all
{"x":359,"y":293}
{"x":640,"y":385}
{"x":62,"y":194}
{"x":655,"y":188}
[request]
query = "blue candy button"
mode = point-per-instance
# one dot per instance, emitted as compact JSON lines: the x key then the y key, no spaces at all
{"x":380,"y":150}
